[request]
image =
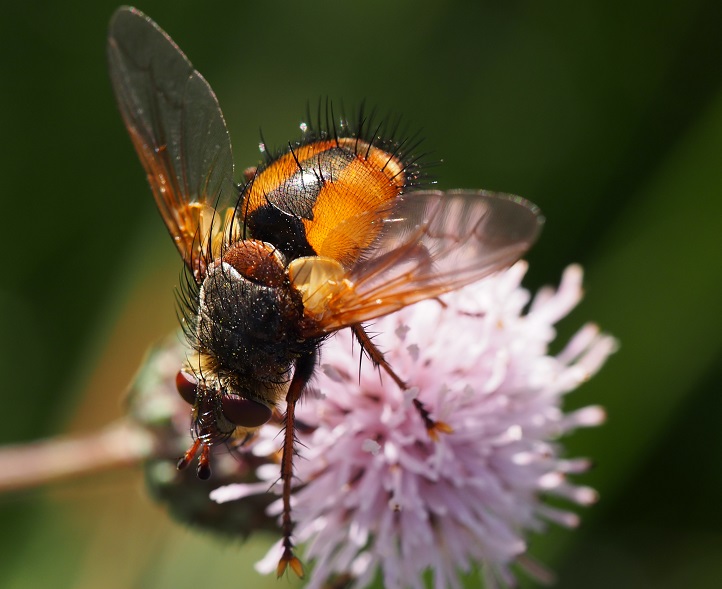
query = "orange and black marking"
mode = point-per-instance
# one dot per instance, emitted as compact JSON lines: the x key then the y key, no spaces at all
{"x":321,"y":195}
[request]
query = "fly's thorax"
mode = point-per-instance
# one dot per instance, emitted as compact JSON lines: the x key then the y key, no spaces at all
{"x":257,"y":261}
{"x":249,"y":315}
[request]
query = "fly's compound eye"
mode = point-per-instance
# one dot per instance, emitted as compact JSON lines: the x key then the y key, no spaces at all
{"x":187,"y":386}
{"x":245,"y":412}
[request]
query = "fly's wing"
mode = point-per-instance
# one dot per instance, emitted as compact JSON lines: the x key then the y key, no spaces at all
{"x":177,"y":128}
{"x":430,"y":243}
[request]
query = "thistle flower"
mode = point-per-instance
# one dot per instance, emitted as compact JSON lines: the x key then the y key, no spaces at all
{"x":376,"y":495}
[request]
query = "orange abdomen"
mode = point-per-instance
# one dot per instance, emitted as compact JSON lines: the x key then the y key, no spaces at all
{"x":323,"y":198}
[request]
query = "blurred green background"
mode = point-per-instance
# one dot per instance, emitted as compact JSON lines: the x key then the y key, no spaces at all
{"x":607,"y":114}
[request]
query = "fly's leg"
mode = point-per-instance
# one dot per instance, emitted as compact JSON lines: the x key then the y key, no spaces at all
{"x":433,"y":427}
{"x":301,"y":375}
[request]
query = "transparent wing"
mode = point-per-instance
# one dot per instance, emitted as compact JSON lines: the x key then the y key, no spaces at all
{"x":430,"y":244}
{"x":177,"y":128}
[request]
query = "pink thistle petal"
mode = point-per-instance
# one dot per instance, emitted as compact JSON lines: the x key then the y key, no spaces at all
{"x":237,"y":491}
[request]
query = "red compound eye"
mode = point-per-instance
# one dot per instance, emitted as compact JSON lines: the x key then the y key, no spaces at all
{"x":187,"y":386}
{"x":245,"y":412}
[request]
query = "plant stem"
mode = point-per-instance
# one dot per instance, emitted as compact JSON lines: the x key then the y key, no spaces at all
{"x":120,"y":445}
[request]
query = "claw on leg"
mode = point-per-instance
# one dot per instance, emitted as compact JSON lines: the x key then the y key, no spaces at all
{"x":204,"y":461}
{"x":433,"y":427}
{"x":289,"y":559}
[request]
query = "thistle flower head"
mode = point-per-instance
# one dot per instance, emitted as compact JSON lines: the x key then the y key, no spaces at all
{"x":376,"y":495}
